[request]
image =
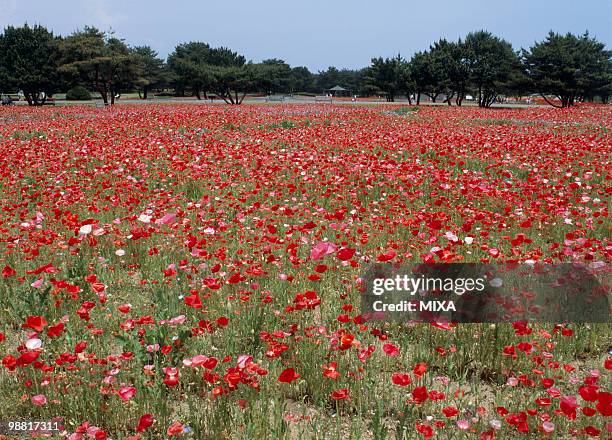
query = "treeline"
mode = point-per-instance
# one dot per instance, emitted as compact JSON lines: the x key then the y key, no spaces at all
{"x":563,"y":69}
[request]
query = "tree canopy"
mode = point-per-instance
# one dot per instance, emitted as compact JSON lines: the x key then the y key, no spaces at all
{"x":490,"y":61}
{"x":563,"y":69}
{"x":388,"y":76}
{"x":152,"y":70}
{"x":100,"y":60}
{"x":202,"y":69}
{"x":569,"y":67}
{"x":29,"y":62}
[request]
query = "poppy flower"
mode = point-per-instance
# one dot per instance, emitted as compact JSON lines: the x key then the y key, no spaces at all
{"x":341,"y":394}
{"x":401,"y":379}
{"x":419,"y":395}
{"x":288,"y":375}
{"x":8,"y":271}
{"x":39,"y":400}
{"x":56,"y":330}
{"x":450,"y":411}
{"x":322,"y":249}
{"x":331,"y":370}
{"x":568,"y":406}
{"x":145,"y":422}
{"x":589,"y":393}
{"x":391,"y":350}
{"x":419,"y":369}
{"x":175,"y":428}
{"x":426,"y":430}
{"x":37,"y":323}
{"x":345,"y":254}
{"x":126,"y":393}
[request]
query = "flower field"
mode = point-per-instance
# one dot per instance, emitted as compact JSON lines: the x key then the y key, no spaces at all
{"x":179,"y":271}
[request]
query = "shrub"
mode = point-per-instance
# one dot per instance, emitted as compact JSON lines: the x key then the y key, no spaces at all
{"x":78,"y":93}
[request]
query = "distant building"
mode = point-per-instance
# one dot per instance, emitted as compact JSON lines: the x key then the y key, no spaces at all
{"x":338,"y":91}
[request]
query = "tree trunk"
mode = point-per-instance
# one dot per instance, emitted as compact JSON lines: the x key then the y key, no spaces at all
{"x":409,"y":98}
{"x":488,"y":99}
{"x":449,"y":99}
{"x":197,"y":93}
{"x":103,"y":94}
{"x":418,"y":100}
{"x":34,"y":98}
{"x":549,"y":102}
{"x":223,"y":96}
{"x":564,"y":101}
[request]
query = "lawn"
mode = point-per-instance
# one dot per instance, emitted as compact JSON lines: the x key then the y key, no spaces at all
{"x":162,"y":273}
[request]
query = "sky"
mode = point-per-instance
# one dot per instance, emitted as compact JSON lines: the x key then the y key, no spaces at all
{"x":315,"y":33}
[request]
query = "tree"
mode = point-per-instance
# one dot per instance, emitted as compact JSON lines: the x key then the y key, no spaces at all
{"x":407,"y":84}
{"x":327,"y":79}
{"x":233,"y":78}
{"x":28,"y":62}
{"x":434,"y":75}
{"x":353,"y":80}
{"x":152,"y":72}
{"x":232,"y":83}
{"x":490,"y":61}
{"x":569,"y":67}
{"x":419,"y":73}
{"x":518,"y":83}
{"x":98,"y":60}
{"x":272,"y":76}
{"x":190,"y":64}
{"x":202,"y":68}
{"x":301,"y":80}
{"x":388,"y":75}
{"x":450,"y":71}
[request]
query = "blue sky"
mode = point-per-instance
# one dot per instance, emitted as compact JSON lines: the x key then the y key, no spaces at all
{"x":315,"y":33}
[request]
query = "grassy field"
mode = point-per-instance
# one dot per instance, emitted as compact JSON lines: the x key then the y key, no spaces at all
{"x":161,"y":273}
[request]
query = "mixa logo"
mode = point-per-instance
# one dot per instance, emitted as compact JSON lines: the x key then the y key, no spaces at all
{"x":415,"y":306}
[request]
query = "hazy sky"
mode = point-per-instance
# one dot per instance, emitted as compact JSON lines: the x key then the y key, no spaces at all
{"x":315,"y":33}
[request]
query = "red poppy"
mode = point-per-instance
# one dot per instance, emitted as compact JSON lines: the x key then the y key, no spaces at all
{"x":35,"y":322}
{"x":568,"y":406}
{"x":341,"y":394}
{"x":419,"y":369}
{"x":345,"y":254}
{"x":419,"y":395}
{"x":331,"y":370}
{"x":8,"y":271}
{"x":56,"y":330}
{"x":450,"y":411}
{"x":145,"y":422}
{"x":401,"y":379}
{"x":288,"y":375}
{"x":391,"y":350}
